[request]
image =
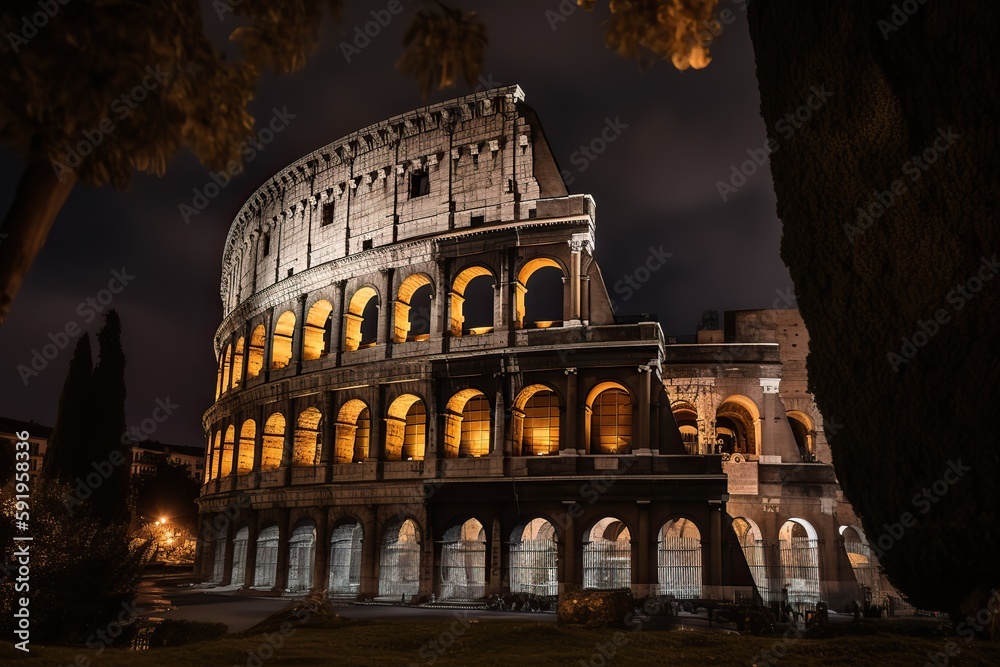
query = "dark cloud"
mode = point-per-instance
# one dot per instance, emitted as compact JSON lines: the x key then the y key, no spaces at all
{"x":655,"y":185}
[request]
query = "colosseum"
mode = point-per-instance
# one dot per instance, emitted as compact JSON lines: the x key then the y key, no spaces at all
{"x":424,"y":393}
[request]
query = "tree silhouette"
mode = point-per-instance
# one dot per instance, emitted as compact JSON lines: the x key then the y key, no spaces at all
{"x":65,"y":457}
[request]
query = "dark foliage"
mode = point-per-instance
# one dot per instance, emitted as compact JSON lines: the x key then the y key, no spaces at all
{"x":65,"y":459}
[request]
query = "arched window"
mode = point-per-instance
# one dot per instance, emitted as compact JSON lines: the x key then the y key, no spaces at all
{"x":317,"y":331}
{"x":802,"y":431}
{"x":463,"y":562}
{"x":228,"y":443}
{"x":538,"y":302}
{"x":399,"y":561}
{"x":266,"y":573}
{"x":686,"y":417}
{"x":736,"y":423}
{"x":281,"y":342}
{"x":607,"y":556}
{"x":214,"y":454}
{"x":248,"y":434}
{"x":226,"y":369}
{"x":406,"y":429}
{"x":353,"y":430}
{"x":307,"y":447}
{"x":471,"y":302}
{"x":237,"y":373}
{"x":535,"y":421}
{"x":255,"y":355}
{"x":533,"y":559}
{"x":361,"y":320}
{"x":274,"y":442}
{"x":345,"y":560}
{"x":798,"y":549}
{"x":219,"y":556}
{"x":610,"y":419}
{"x":239,"y":574}
{"x":301,"y":556}
{"x":679,"y":562}
{"x":412,"y":312}
{"x":467,"y":424}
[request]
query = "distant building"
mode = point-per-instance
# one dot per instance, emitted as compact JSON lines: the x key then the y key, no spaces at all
{"x":145,"y":454}
{"x":38,"y":438}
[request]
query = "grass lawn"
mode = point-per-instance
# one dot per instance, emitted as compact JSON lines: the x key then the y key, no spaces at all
{"x":333,"y":641}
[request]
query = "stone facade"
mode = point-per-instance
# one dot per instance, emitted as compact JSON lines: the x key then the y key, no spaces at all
{"x":400,"y":414}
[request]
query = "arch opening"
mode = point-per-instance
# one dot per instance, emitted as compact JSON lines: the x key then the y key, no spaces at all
{"x":798,"y":550}
{"x":274,"y":442}
{"x":307,"y":448}
{"x":239,"y":574}
{"x":255,"y":353}
{"x":248,"y":433}
{"x":412,"y":309}
{"x":679,"y":560}
{"x":228,"y":444}
{"x":467,"y":425}
{"x":317,"y":332}
{"x":533,"y":559}
{"x":353,"y":432}
{"x":472,"y":301}
{"x":538,"y":303}
{"x":610,"y":419}
{"x":237,"y":373}
{"x":301,"y":557}
{"x":463,"y":562}
{"x":736,"y":422}
{"x":754,"y":551}
{"x":361,"y":320}
{"x":345,"y":560}
{"x":686,"y":417}
{"x":266,"y":571}
{"x":281,"y":340}
{"x":399,"y":561}
{"x":607,"y":556}
{"x":406,"y":429}
{"x":535,"y":421}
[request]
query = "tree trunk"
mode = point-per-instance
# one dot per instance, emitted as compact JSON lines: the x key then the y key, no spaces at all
{"x":39,"y":198}
{"x":887,"y":189}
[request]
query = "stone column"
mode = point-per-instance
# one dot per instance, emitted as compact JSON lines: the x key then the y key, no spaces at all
{"x":281,"y":577}
{"x":337,"y":322}
{"x":268,"y":344}
{"x":715,"y":561}
{"x":644,"y":573}
{"x":571,"y":438}
{"x":321,"y":562}
{"x":371,"y":542}
{"x":642,"y":432}
{"x":298,"y":334}
{"x":494,"y":551}
{"x":251,"y":571}
{"x":258,"y":438}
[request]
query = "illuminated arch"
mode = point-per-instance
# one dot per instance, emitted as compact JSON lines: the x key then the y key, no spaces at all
{"x":228,"y":444}
{"x":255,"y":355}
{"x":467,"y":424}
{"x":406,"y":429}
{"x":679,"y":559}
{"x":463,"y":562}
{"x":607,"y":556}
{"x":307,"y":448}
{"x":226,"y":369}
{"x":803,"y":431}
{"x":345,"y":559}
{"x":239,"y":572}
{"x":535,"y":421}
{"x":863,"y":563}
{"x":414,"y":291}
{"x":609,"y":419}
{"x":399,"y":561}
{"x":317,"y":331}
{"x":686,"y":417}
{"x":274,"y":442}
{"x":214,"y":453}
{"x":360,"y":310}
{"x":459,"y":289}
{"x":237,"y":374}
{"x":353,"y":432}
{"x":266,"y":572}
{"x":281,"y":340}
{"x":248,"y":433}
{"x":533,"y":559}
{"x":301,"y":556}
{"x":522,"y":318}
{"x":737,"y":426}
{"x":798,"y":550}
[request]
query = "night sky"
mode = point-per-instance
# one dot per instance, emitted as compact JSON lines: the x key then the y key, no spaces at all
{"x":655,"y":185}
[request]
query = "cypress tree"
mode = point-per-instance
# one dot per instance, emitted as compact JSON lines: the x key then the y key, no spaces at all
{"x":65,"y":456}
{"x":106,"y":425}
